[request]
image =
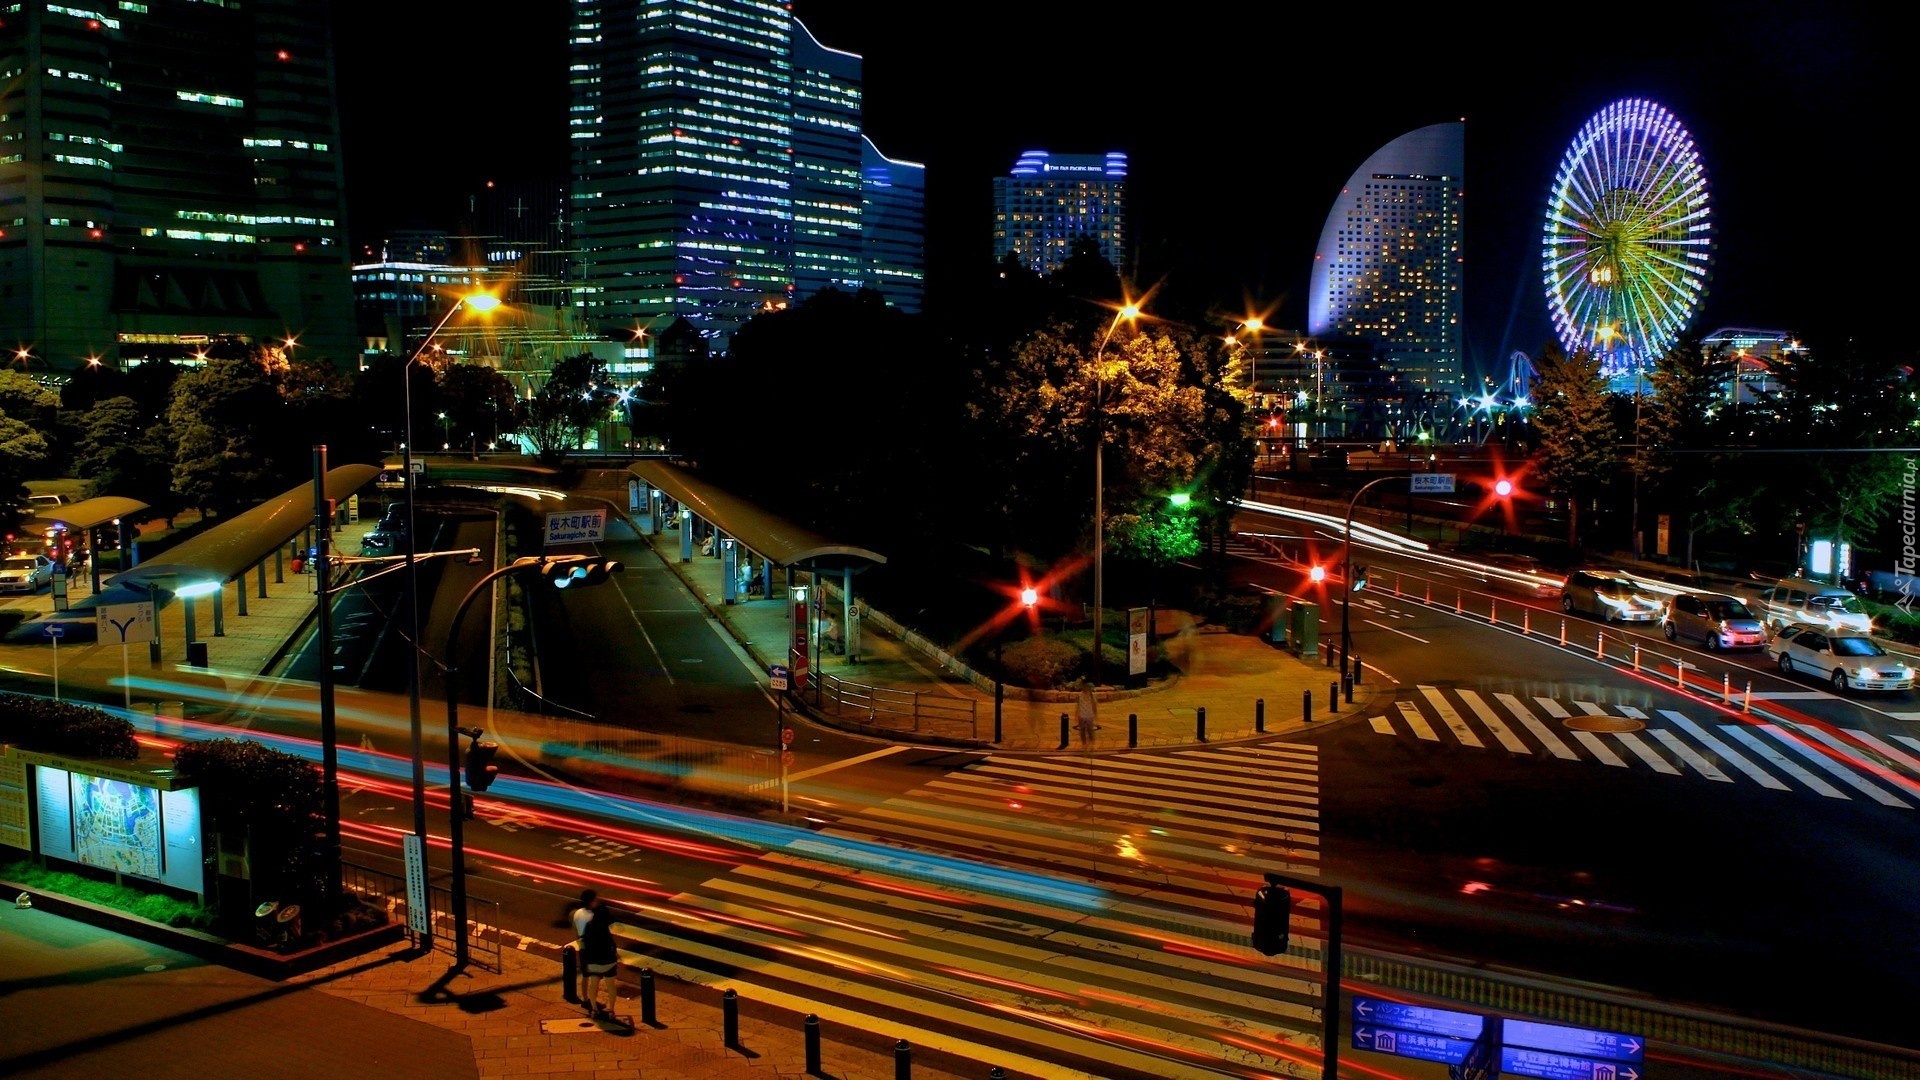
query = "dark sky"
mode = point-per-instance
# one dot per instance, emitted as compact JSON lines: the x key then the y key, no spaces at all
{"x":1243,"y":120}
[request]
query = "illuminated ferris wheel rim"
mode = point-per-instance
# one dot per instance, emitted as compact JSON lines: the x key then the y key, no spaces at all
{"x":1627,"y":236}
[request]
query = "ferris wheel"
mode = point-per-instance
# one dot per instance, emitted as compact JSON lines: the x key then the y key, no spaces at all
{"x":1628,"y":236}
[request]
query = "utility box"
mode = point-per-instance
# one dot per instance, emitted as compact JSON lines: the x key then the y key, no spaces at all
{"x":1276,"y":619}
{"x":1306,"y":627}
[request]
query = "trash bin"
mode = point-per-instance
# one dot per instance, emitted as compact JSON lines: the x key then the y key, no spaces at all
{"x":1306,"y":627}
{"x":197,"y":653}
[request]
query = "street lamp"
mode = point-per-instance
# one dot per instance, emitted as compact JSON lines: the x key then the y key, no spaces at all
{"x":481,"y":302}
{"x":562,"y":571}
{"x":1346,"y":573}
{"x":1129,"y":312}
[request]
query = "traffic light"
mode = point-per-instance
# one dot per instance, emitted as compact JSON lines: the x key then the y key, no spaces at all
{"x":578,"y":571}
{"x":1359,"y":578}
{"x":1272,"y":910}
{"x":480,"y":767}
{"x":1317,"y":574}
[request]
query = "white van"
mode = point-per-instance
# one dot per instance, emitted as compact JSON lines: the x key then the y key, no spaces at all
{"x":1793,"y":600}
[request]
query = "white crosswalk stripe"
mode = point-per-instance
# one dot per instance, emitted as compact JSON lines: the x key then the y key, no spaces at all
{"x":1821,"y":758}
{"x":1072,"y":907}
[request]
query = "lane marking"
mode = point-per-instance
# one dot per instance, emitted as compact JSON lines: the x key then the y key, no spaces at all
{"x":1492,"y":720}
{"x":818,"y":770}
{"x":1381,"y":724}
{"x":1858,"y":782}
{"x":1724,"y":752}
{"x":1540,"y":731}
{"x":1411,"y":714}
{"x":1632,"y":741}
{"x":1779,"y":761}
{"x":1451,"y":718}
{"x":1598,"y":749}
{"x":1402,"y":633}
{"x":1686,"y":753}
{"x":1552,"y":708}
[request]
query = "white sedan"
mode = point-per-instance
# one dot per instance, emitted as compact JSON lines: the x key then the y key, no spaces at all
{"x":25,"y":573}
{"x":1850,"y":660}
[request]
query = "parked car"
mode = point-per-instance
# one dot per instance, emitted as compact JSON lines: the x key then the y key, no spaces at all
{"x":25,"y":573}
{"x":1716,"y":620}
{"x":1792,"y":600}
{"x":1608,"y":596}
{"x":1850,"y":660}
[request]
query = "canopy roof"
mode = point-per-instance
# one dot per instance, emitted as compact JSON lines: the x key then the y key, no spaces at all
{"x":87,"y":513}
{"x":780,"y":541}
{"x":225,"y":551}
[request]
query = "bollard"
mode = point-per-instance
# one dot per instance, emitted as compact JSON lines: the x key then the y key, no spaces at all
{"x":1636,"y":656}
{"x":1526,"y":620}
{"x":646,"y":998}
{"x":1200,"y":723}
{"x":1260,"y":715}
{"x":1063,"y":731}
{"x":1396,"y":586}
{"x":1349,"y":689}
{"x":998,"y":1073}
{"x":1333,"y":698}
{"x":1457,"y":605}
{"x":813,"y":1045}
{"x":1493,"y":612}
{"x":1679,"y":674}
{"x":1306,"y":706}
{"x":1133,"y":730}
{"x":730,"y":1018}
{"x":570,"y":974}
{"x":1563,"y":633}
{"x":1429,"y":592}
{"x":1726,"y":688}
{"x":902,"y":1061}
{"x":1600,"y":645}
{"x":1748,"y":706}
{"x":1329,"y":652}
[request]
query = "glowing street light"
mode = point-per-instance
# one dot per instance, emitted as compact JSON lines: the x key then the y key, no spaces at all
{"x":1129,"y":312}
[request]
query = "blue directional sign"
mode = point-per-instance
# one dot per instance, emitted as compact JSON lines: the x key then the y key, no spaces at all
{"x":1411,"y":1044}
{"x":1396,"y":1014}
{"x":55,"y":630}
{"x":1583,"y":1042}
{"x":1438,"y":483}
{"x":1519,"y":1061}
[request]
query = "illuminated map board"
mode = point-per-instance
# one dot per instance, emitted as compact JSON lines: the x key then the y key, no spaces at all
{"x":119,"y":825}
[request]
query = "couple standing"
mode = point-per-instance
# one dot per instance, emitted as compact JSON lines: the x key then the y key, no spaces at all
{"x":599,"y":958}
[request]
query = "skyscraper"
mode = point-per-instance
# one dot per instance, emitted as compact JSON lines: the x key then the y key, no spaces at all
{"x":170,"y":175}
{"x":1388,"y":268}
{"x":717,"y":165}
{"x":893,"y":207}
{"x":1047,"y":202}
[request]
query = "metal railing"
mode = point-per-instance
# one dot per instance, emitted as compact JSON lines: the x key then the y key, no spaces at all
{"x":887,"y":709}
{"x":483,"y":915}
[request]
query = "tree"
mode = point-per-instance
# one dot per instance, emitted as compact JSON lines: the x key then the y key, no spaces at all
{"x":125,"y":454}
{"x":1685,"y":459}
{"x":575,"y":396}
{"x":273,"y":801}
{"x":1573,"y":419}
{"x":479,"y":404}
{"x":27,"y":410}
{"x":222,"y":417}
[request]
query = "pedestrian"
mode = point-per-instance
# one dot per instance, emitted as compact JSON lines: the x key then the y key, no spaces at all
{"x":1089,"y":715}
{"x":582,"y":914}
{"x":599,"y":958}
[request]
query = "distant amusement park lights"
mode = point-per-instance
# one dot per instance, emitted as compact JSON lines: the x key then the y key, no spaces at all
{"x":1628,"y":237}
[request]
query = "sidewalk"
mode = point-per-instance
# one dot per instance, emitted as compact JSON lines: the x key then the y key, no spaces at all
{"x":1233,"y":677}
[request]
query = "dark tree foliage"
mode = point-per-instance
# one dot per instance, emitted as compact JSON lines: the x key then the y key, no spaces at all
{"x":578,"y":392}
{"x":126,"y":453}
{"x":271,"y":798}
{"x":479,"y":404}
{"x":1579,"y":444}
{"x":227,"y":420}
{"x":62,"y":727}
{"x":380,"y":401}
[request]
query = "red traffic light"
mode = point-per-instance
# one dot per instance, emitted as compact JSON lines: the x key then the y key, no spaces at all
{"x":1503,"y":487}
{"x":1029,"y":596}
{"x":1318,"y":573}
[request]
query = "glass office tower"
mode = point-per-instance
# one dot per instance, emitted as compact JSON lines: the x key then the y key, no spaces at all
{"x":169,"y":176}
{"x":717,"y":164}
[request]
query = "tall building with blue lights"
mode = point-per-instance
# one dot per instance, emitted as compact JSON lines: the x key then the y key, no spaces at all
{"x":719,"y":166}
{"x":170,"y":175}
{"x":1048,"y":202}
{"x":1388,"y":268}
{"x":893,"y":208}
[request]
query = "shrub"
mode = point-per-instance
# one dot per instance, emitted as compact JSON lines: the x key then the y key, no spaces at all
{"x":154,"y":907}
{"x":273,"y":799}
{"x":61,"y":727}
{"x":1042,"y":663}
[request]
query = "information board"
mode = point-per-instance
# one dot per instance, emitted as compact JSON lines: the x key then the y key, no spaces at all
{"x":1585,"y":1042}
{"x":1520,"y":1061}
{"x":1415,"y":1031}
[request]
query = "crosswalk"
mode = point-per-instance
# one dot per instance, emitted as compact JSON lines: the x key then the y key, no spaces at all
{"x":1830,"y":761}
{"x":1091,"y":910}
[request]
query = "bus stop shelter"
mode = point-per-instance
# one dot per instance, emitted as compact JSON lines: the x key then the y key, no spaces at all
{"x":93,"y":515}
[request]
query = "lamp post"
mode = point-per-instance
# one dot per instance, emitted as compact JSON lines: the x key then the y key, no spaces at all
{"x":562,"y":571}
{"x":1346,"y":573}
{"x":1128,"y":312}
{"x":481,"y":302}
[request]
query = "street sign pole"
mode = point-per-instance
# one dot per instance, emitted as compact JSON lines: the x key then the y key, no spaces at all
{"x":54,"y":631}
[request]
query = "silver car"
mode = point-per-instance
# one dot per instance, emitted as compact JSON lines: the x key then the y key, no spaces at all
{"x":1715,"y":620}
{"x":25,"y":573}
{"x":1850,"y":660}
{"x":1611,"y":597}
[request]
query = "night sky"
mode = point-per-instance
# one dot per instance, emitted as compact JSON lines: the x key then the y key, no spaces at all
{"x":1242,"y":121}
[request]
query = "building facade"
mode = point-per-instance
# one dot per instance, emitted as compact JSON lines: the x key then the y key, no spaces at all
{"x":170,"y":175}
{"x":717,"y":165}
{"x":1048,"y":202}
{"x":1389,"y":267}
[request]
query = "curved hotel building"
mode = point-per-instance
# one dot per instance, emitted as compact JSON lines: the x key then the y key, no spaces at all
{"x":1388,"y":267}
